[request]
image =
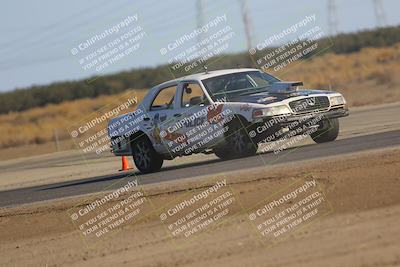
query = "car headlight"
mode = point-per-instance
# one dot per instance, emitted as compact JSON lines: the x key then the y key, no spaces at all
{"x":337,"y":101}
{"x":272,"y":111}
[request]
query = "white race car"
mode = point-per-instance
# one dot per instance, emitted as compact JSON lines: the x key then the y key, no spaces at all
{"x":226,"y":112}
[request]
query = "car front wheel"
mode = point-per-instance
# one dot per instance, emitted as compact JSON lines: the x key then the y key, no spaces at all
{"x":238,"y":142}
{"x":146,"y":159}
{"x":329,"y":131}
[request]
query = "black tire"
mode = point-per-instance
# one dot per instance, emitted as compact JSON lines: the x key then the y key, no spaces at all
{"x":146,"y":159}
{"x":238,"y":142}
{"x":222,"y":153}
{"x":328,"y":133}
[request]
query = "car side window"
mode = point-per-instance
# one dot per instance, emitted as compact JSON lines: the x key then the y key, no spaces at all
{"x":259,"y":81}
{"x":164,"y":99}
{"x":192,"y":95}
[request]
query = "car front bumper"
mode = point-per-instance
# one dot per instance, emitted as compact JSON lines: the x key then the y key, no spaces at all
{"x":331,"y":114}
{"x":275,"y":126}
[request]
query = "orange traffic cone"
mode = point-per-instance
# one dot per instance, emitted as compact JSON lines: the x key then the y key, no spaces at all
{"x":125,"y":164}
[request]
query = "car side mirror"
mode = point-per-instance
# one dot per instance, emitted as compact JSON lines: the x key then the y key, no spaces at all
{"x":188,"y":90}
{"x":197,"y":100}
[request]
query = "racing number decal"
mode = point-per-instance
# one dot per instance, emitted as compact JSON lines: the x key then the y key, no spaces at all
{"x":214,"y":112}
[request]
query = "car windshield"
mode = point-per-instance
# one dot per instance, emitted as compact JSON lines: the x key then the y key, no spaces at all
{"x":236,"y":84}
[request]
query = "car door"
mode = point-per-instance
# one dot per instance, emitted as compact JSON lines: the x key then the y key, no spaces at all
{"x":192,"y":110}
{"x":159,"y":116}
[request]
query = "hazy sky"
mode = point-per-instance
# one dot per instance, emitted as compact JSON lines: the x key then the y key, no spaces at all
{"x":37,"y":36}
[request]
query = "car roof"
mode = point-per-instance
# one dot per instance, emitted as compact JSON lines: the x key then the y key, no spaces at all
{"x":146,"y":102}
{"x":205,"y":75}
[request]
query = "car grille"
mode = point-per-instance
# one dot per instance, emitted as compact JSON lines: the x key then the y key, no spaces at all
{"x":306,"y":105}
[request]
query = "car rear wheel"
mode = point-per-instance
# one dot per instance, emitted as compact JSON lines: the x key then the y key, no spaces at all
{"x":328,"y":132}
{"x":146,"y":159}
{"x":238,"y":143}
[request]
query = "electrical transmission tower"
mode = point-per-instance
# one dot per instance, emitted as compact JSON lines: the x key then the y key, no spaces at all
{"x":333,"y":21}
{"x":379,"y":13}
{"x":247,"y":23}
{"x":200,"y":19}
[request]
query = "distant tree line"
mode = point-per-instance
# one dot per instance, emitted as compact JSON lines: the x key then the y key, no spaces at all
{"x":37,"y":96}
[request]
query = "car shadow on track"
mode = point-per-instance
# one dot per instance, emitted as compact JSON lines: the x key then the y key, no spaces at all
{"x":115,"y":177}
{"x":112,"y":178}
{"x":167,"y":172}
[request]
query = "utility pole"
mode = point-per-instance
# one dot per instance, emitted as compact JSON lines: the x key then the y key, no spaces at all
{"x":200,"y":20}
{"x":379,"y":13}
{"x":247,"y":23}
{"x":333,"y":21}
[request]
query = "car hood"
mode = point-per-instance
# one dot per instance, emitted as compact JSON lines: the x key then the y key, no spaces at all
{"x":277,"y":92}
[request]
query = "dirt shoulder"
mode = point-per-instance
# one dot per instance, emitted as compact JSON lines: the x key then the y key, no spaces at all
{"x":361,"y":228}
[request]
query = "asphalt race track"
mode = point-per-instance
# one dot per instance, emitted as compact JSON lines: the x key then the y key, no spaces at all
{"x":190,"y":170}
